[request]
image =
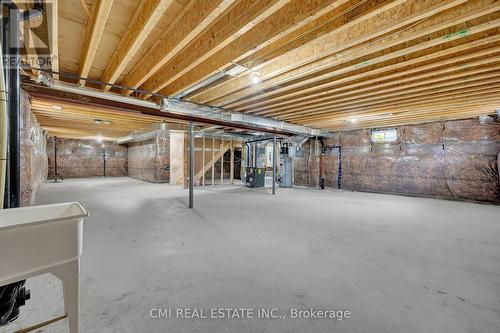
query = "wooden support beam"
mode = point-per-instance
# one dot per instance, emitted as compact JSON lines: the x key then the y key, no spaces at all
{"x":43,"y":92}
{"x":53,"y":18}
{"x":145,"y":20}
{"x":194,"y":19}
{"x":93,"y":33}
{"x":283,"y":20}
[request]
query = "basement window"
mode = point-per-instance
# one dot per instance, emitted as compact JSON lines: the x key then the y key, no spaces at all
{"x":384,"y":135}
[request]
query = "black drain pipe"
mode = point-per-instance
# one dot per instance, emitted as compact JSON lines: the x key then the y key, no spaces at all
{"x":322,"y":165}
{"x":14,"y":295}
{"x":104,"y":161}
{"x":14,"y":110}
{"x":12,"y":37}
{"x":56,"y":172}
{"x":324,"y":149}
{"x":5,"y":49}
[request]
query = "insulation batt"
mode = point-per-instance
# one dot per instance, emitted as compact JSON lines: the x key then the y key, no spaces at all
{"x":33,"y":153}
{"x":150,"y":160}
{"x":452,"y":160}
{"x":77,"y":158}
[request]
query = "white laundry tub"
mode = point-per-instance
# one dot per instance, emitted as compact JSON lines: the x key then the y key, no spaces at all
{"x":44,"y":239}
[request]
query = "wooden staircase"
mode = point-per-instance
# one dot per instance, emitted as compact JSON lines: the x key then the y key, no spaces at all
{"x":211,"y":162}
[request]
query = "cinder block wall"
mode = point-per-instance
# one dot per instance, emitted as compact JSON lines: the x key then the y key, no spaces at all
{"x":453,"y":160}
{"x":78,"y":158}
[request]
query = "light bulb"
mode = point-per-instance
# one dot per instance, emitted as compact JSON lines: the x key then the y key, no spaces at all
{"x":255,"y":77}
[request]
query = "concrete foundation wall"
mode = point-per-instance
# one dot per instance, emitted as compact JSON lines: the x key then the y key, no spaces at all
{"x":78,"y":158}
{"x":453,"y":159}
{"x":33,"y":153}
{"x":150,"y":160}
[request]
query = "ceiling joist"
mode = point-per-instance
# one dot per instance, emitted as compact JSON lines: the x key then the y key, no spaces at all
{"x":93,"y":34}
{"x":317,"y":62}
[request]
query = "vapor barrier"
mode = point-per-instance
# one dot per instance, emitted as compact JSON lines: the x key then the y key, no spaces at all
{"x":77,"y":158}
{"x":33,"y":153}
{"x":149,"y":160}
{"x":453,"y":159}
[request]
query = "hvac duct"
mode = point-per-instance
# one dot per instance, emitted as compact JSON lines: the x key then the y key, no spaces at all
{"x":174,"y":105}
{"x":184,"y":107}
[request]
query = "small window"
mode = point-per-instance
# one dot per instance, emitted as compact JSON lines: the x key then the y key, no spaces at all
{"x":384,"y":135}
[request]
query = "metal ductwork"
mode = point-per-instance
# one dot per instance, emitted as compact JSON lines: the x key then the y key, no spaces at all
{"x":191,"y":109}
{"x":150,"y":132}
{"x":164,"y":129}
{"x":216,"y":113}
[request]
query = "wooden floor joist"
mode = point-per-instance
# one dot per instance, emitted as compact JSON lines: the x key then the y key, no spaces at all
{"x":197,"y":16}
{"x":285,"y":19}
{"x":398,"y":107}
{"x":432,"y":84}
{"x":234,"y":23}
{"x":145,"y":20}
{"x":316,"y":54}
{"x":314,"y":62}
{"x":93,"y":35}
{"x":363,"y":63}
{"x":361,"y":54}
{"x":377,"y":77}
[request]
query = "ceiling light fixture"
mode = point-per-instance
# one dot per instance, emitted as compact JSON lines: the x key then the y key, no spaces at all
{"x":99,"y":138}
{"x":101,"y":122}
{"x":57,"y":107}
{"x":255,"y":77}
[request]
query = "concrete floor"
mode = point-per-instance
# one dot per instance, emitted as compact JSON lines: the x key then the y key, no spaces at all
{"x":399,"y":264}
